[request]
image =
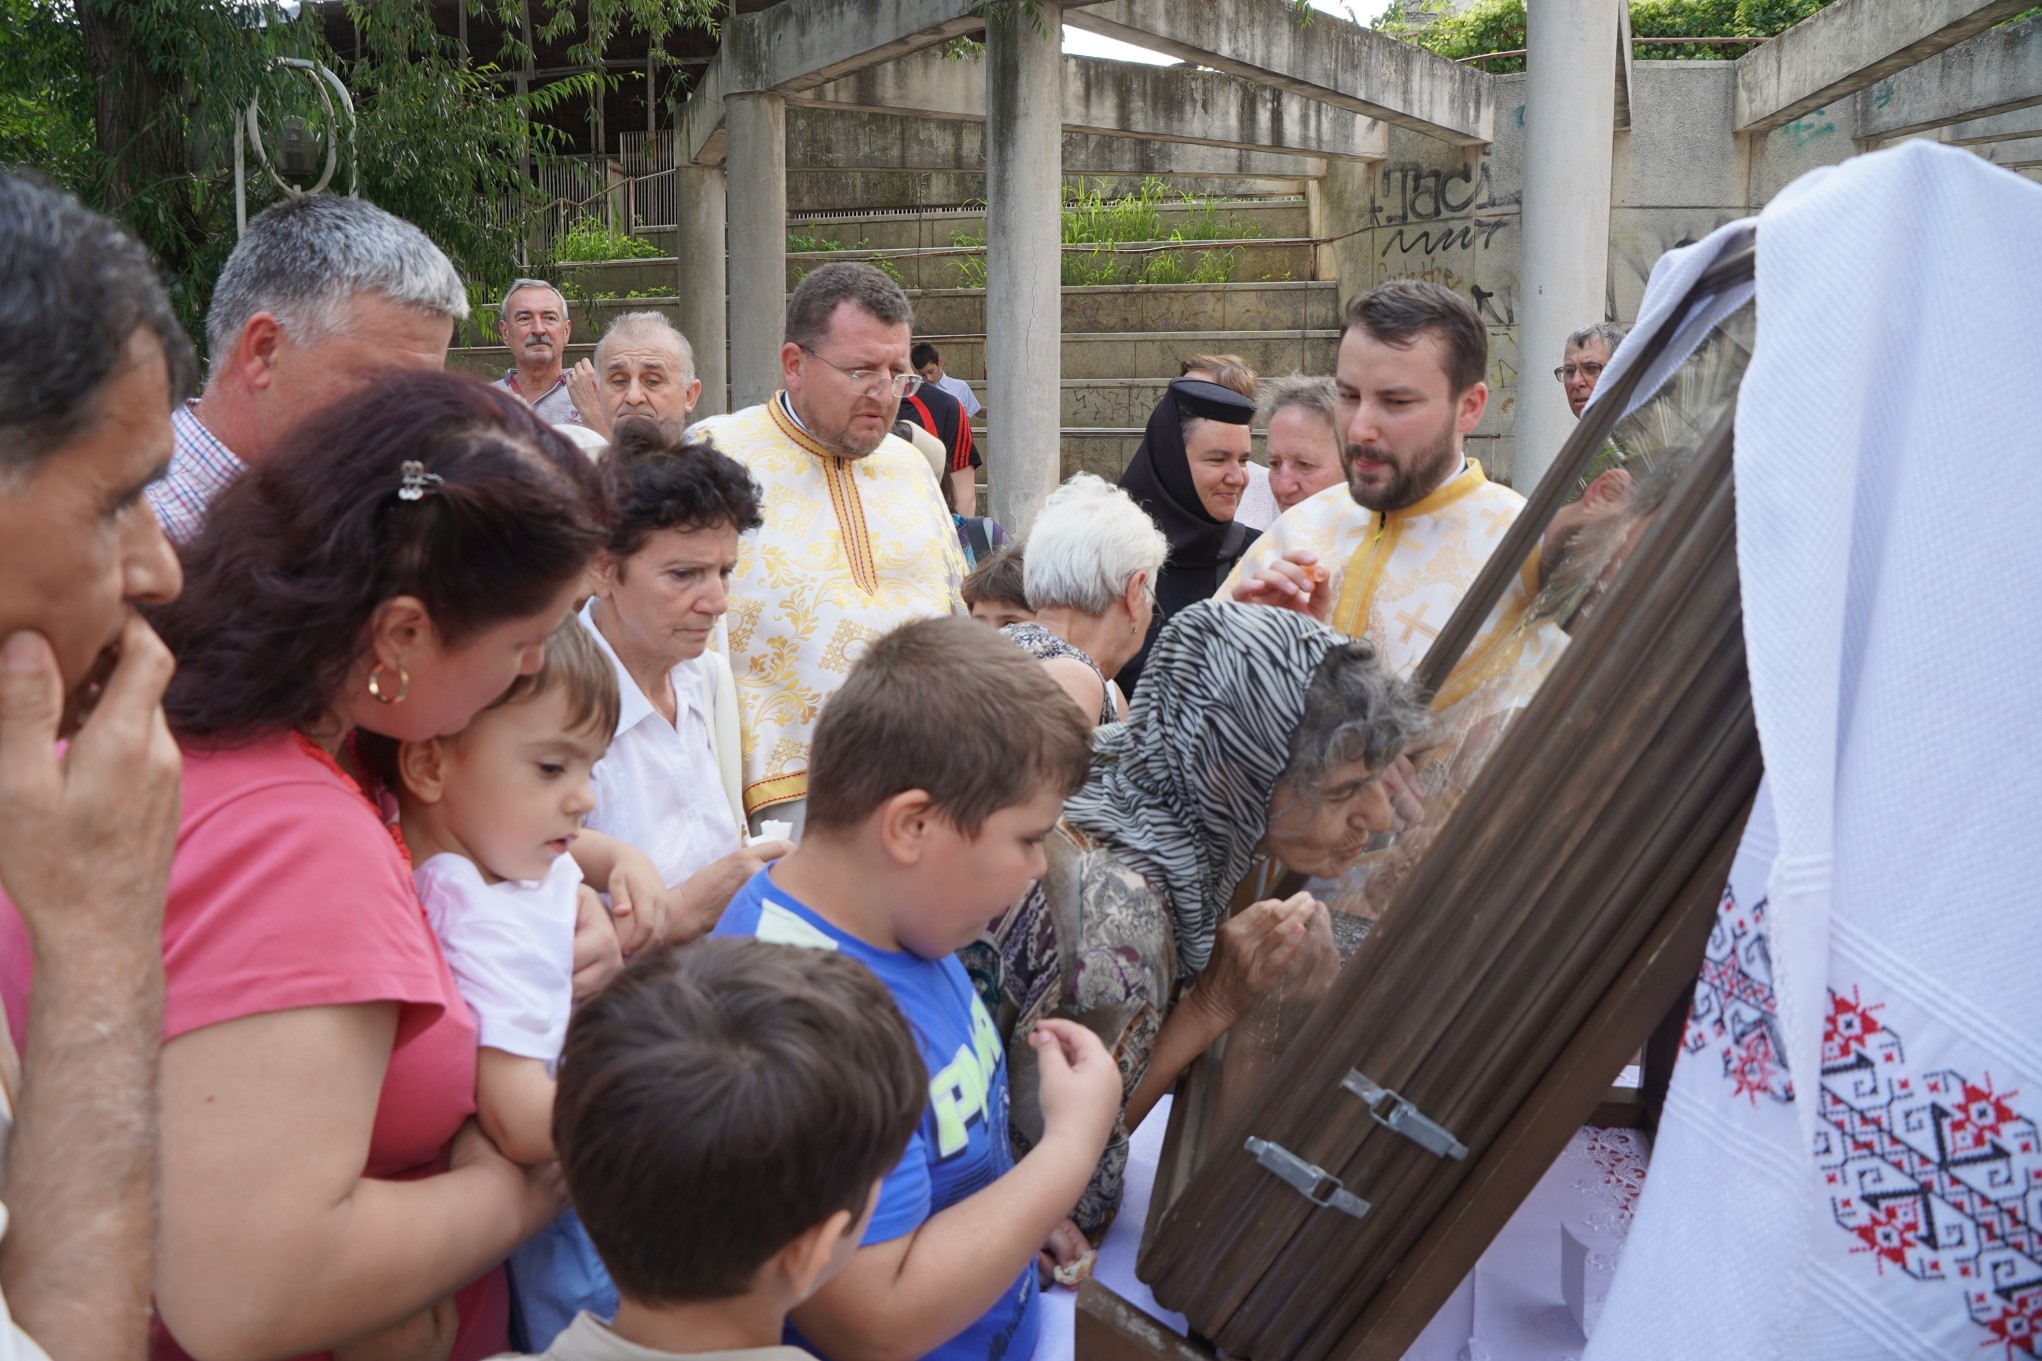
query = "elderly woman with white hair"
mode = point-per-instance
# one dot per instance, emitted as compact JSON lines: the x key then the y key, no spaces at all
{"x":1092,"y":560}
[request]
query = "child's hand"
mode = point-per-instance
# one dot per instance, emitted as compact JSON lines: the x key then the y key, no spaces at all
{"x":1080,"y":1085}
{"x":597,"y":955}
{"x":638,"y":900}
{"x":1065,"y":1247}
{"x":427,"y":1336}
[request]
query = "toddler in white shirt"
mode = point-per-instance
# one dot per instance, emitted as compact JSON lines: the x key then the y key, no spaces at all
{"x":490,"y":815}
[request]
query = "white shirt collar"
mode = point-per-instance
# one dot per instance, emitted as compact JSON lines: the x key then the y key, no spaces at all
{"x":633,"y":706}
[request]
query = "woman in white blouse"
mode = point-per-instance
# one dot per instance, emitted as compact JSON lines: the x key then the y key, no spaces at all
{"x":669,"y":782}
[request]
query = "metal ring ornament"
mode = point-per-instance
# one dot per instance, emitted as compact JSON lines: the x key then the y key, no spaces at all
{"x":321,"y":79}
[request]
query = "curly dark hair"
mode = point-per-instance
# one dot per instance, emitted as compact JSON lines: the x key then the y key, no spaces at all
{"x":659,"y":478}
{"x":297,"y":554}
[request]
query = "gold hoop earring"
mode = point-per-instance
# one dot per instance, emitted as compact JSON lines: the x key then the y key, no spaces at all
{"x":376,"y":685}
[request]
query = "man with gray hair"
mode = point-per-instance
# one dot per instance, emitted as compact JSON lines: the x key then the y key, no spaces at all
{"x":857,"y":540}
{"x":643,"y":366}
{"x":1582,"y":362}
{"x":320,"y":298}
{"x":536,"y":327}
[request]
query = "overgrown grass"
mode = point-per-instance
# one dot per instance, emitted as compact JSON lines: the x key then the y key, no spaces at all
{"x":591,"y":239}
{"x":1090,"y":218}
{"x":883,"y":265}
{"x":800,"y":243}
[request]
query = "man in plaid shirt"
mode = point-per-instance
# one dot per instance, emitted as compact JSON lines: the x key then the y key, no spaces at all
{"x":320,"y":298}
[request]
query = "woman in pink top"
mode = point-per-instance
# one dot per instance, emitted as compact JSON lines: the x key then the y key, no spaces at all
{"x":392,"y":568}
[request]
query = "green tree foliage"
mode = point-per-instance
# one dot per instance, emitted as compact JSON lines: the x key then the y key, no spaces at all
{"x":132,"y":103}
{"x":1498,"y":26}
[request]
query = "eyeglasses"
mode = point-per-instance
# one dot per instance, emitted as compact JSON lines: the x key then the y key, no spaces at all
{"x":867,"y":381}
{"x":1591,"y":371}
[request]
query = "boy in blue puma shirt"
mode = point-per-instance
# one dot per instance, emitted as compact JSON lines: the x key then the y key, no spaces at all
{"x":925,"y":821}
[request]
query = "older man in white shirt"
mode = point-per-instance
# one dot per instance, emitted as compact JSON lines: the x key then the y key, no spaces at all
{"x":669,"y":783}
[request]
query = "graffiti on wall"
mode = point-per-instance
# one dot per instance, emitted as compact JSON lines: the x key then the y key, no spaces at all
{"x":1431,"y":221}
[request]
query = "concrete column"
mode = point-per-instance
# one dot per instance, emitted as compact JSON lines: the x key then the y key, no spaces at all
{"x":1569,"y":123}
{"x":756,"y":185}
{"x":1024,"y":265}
{"x":698,"y":228}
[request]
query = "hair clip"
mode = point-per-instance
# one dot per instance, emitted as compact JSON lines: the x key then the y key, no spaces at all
{"x":417,"y":481}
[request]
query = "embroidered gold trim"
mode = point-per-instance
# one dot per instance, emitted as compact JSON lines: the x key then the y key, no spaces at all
{"x":840,"y":476}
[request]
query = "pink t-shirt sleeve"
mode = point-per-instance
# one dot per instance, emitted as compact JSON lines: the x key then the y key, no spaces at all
{"x":288,"y":893}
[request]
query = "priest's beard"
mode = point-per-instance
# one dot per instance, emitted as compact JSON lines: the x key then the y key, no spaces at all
{"x":1411,"y":477}
{"x":839,"y":435}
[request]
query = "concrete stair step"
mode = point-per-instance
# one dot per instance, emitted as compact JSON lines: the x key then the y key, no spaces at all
{"x":1156,"y":354}
{"x":1281,"y":260}
{"x":1153,"y":307}
{"x":1136,"y":357}
{"x":1269,"y":217}
{"x":898,"y":231}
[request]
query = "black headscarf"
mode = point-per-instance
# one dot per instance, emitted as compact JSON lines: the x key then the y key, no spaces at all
{"x":1202,"y":550}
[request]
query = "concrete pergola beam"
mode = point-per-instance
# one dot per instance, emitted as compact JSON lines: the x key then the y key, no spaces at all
{"x":836,"y":137}
{"x":1849,"y":46}
{"x":1121,"y":99}
{"x":2004,"y":127}
{"x":1996,"y":72}
{"x":800,"y":44}
{"x":1331,"y":60}
{"x":2014,"y":155}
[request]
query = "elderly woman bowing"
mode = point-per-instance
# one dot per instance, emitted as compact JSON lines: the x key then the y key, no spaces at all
{"x":1257,"y":734}
{"x":1090,"y":576}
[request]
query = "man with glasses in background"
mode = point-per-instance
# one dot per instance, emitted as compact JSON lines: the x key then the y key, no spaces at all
{"x":1582,"y":362}
{"x":857,"y":540}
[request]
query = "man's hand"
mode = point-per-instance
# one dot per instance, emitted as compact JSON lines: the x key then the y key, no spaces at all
{"x":1078,"y":1083}
{"x":85,"y":846}
{"x":426,"y":1336}
{"x":1294,"y":581}
{"x":1251,"y":952}
{"x":588,"y":400}
{"x":696,"y":903}
{"x":597,"y":954}
{"x":638,"y":900}
{"x":86,"y":838}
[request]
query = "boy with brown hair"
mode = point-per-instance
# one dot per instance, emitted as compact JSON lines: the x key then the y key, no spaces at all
{"x":924,"y":823}
{"x":725,"y":1114}
{"x":994,"y":593}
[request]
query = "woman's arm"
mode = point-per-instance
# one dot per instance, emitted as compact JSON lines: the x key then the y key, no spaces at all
{"x":696,"y":903}
{"x":1250,"y":953}
{"x":1080,"y":682}
{"x":274,"y":1243}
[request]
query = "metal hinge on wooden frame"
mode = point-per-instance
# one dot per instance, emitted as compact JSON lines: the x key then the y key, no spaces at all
{"x":1392,"y":1111}
{"x":1310,"y":1180}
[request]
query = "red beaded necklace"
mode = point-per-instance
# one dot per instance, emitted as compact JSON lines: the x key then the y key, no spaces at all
{"x":325,"y":758}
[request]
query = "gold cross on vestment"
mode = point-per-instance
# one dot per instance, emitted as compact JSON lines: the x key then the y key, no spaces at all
{"x":1416,"y":622}
{"x":1499,"y":520}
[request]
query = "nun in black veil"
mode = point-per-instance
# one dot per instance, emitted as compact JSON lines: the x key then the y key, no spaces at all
{"x":1189,"y":474}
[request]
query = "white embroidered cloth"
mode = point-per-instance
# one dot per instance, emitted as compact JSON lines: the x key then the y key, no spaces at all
{"x":1849,"y":1164}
